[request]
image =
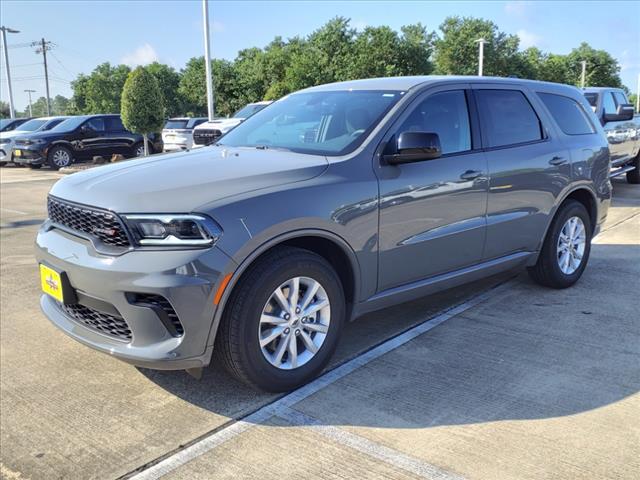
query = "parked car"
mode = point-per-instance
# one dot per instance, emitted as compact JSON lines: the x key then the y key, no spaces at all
{"x":340,"y":199}
{"x":177,"y":134}
{"x":622,"y":128}
{"x":207,"y":133}
{"x":34,"y":125}
{"x":81,"y":138}
{"x":8,"y":124}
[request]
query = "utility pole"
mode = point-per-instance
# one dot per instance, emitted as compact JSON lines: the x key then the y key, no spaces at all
{"x":480,"y":42}
{"x":30,"y":92}
{"x":583,"y":76}
{"x":42,"y":48}
{"x":12,"y":110}
{"x":638,"y":96}
{"x":207,"y":58}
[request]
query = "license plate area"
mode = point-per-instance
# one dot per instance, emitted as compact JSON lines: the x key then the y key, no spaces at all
{"x":56,"y":284}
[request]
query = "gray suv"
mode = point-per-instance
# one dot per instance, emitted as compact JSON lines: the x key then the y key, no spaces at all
{"x":332,"y":202}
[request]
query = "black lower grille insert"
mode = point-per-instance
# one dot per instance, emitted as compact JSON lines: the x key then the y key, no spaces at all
{"x":102,"y":322}
{"x":206,"y":136}
{"x":163,"y":309}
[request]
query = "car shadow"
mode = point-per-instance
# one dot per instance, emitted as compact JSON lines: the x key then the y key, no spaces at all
{"x":527,"y":352}
{"x":21,"y":223}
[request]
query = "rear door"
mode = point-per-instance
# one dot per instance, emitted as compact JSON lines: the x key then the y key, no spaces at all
{"x":432,"y":213}
{"x":528,"y":167}
{"x":117,"y":139}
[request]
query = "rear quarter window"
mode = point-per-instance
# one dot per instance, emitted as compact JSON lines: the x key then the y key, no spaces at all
{"x":568,"y":114}
{"x":507,"y":118}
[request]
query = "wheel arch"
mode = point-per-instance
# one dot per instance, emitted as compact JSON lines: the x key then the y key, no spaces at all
{"x":328,"y":245}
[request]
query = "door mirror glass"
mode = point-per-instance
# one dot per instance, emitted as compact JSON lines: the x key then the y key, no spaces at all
{"x":415,"y":147}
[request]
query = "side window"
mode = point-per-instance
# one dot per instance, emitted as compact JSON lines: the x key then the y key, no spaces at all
{"x":568,"y":114}
{"x":507,"y":118}
{"x":53,"y":123}
{"x":609,"y":104}
{"x":621,"y":99}
{"x":114,"y":124}
{"x":447,"y":115}
{"x":96,"y":124}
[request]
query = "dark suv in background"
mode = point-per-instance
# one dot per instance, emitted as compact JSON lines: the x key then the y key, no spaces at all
{"x":81,"y":138}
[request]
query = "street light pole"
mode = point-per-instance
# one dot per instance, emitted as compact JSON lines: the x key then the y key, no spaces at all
{"x":207,"y":58}
{"x":30,"y":92}
{"x":583,"y":76}
{"x":480,"y":42}
{"x":12,"y":110}
{"x":638,"y":96}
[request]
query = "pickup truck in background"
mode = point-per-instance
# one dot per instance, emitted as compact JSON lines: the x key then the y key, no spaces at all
{"x":622,"y":127}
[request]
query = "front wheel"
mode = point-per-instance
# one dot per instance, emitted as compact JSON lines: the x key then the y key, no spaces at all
{"x":283,"y":320}
{"x":566,"y":248}
{"x":59,"y":157}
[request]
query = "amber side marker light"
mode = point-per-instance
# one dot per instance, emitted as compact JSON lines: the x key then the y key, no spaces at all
{"x":221,"y":288}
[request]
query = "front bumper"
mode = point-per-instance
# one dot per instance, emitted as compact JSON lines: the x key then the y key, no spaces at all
{"x":185,"y":278}
{"x":30,"y":155}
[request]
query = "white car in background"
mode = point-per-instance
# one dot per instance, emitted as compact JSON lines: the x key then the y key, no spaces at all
{"x":177,"y":134}
{"x":207,"y":133}
{"x":34,"y":125}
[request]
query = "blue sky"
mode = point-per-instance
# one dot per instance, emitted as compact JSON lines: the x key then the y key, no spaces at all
{"x":134,"y":32}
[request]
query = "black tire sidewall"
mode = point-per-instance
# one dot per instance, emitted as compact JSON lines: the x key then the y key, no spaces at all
{"x":52,"y":153}
{"x":571,"y":209}
{"x":257,"y":368}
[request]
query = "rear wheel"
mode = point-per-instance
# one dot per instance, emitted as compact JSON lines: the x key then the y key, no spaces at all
{"x":634,"y":175}
{"x":59,"y":157}
{"x":282,"y":321}
{"x":566,"y":248}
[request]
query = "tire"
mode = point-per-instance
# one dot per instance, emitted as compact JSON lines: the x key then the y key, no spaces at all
{"x":59,"y":156}
{"x":137,"y":150}
{"x":548,"y":270}
{"x":633,"y":176}
{"x":3,"y":164}
{"x":238,"y":340}
{"x":35,"y":167}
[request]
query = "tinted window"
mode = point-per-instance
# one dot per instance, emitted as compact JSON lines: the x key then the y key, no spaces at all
{"x":114,"y":124}
{"x":507,"y":117}
{"x":568,"y":114}
{"x":196,"y":121}
{"x":96,"y":124}
{"x":53,"y":123}
{"x":175,"y":124}
{"x":31,"y":125}
{"x":320,"y":122}
{"x":609,"y":104}
{"x":592,"y":98}
{"x":248,"y":110}
{"x":620,"y":98}
{"x":445,"y":114}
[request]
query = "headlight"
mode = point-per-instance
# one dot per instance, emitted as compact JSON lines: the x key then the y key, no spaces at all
{"x":173,"y":230}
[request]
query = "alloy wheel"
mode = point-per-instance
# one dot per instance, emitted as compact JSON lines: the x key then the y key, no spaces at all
{"x":572,"y":242}
{"x":61,"y":158}
{"x":294,"y":323}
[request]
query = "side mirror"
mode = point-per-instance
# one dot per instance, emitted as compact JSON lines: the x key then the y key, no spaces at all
{"x":415,"y":147}
{"x":623,"y":113}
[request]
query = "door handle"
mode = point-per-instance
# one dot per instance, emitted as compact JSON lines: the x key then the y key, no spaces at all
{"x":557,"y":161}
{"x":471,"y":175}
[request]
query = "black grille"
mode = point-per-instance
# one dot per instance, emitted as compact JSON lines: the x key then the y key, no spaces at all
{"x":205,"y":136}
{"x":172,"y":322}
{"x":102,"y":322}
{"x":101,"y":224}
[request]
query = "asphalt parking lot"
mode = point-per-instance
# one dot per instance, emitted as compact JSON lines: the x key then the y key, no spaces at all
{"x":517,"y":381}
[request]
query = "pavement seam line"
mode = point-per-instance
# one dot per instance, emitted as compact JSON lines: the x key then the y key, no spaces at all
{"x":220,"y":436}
{"x":368,"y":447}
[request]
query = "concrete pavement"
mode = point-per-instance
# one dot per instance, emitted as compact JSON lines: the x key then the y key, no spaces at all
{"x":529,"y":383}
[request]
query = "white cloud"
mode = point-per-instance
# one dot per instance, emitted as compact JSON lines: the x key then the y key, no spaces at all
{"x":143,"y":55}
{"x":529,"y":39}
{"x":517,"y":8}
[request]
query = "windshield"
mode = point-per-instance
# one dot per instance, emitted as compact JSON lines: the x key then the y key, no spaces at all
{"x":248,"y":110}
{"x":69,"y":125}
{"x":31,"y":125}
{"x":175,"y":124}
{"x":592,"y":98}
{"x":7,"y":124}
{"x":322,"y":123}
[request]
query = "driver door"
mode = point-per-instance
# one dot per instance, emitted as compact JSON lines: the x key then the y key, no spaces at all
{"x":433,"y":212}
{"x":91,"y":141}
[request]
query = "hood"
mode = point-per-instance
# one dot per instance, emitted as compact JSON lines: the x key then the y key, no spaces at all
{"x":183,"y":182}
{"x":46,"y":135}
{"x":223,"y":123}
{"x":15,"y":133}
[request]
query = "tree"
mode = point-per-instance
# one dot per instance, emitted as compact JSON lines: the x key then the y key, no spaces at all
{"x":168,"y":81}
{"x":457,"y":50}
{"x":100,"y":91}
{"x":142,"y":108}
{"x":192,"y":86}
{"x":5,"y":111}
{"x":602,"y":69}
